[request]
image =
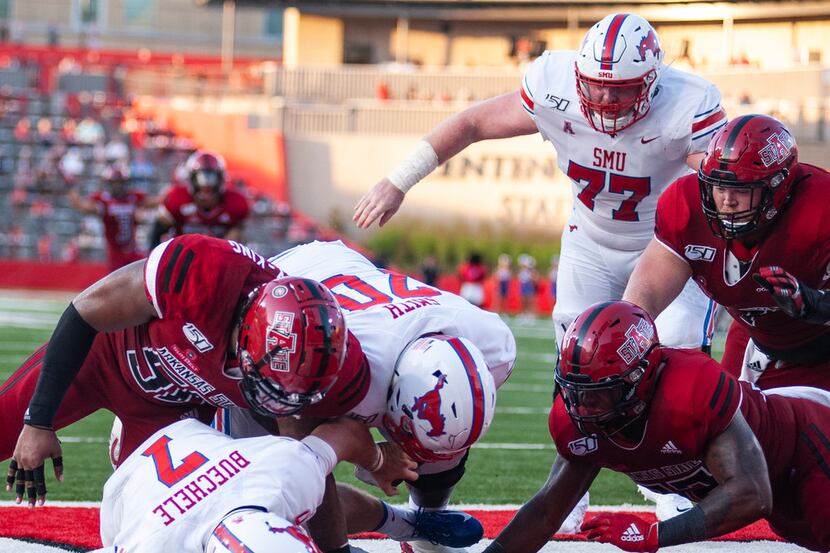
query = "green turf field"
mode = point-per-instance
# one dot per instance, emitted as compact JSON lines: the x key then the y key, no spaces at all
{"x":508,"y":466}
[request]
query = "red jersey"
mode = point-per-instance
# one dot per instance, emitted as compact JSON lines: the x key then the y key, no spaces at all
{"x":694,"y":401}
{"x":683,"y":420}
{"x":231,"y":211}
{"x":799,"y":242}
{"x":119,"y":217}
{"x":195,"y":283}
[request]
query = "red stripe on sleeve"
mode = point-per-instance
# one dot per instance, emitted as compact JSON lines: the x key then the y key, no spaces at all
{"x":711,"y":120}
{"x":526,"y":99}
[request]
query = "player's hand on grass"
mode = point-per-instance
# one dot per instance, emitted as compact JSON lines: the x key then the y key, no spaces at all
{"x":379,"y":204}
{"x":628,"y":532}
{"x":26,"y":471}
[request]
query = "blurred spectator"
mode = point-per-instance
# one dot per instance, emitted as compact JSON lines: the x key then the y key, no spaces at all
{"x":430,"y":270}
{"x":527,"y":283}
{"x":117,"y":205}
{"x":23,"y":130}
{"x":89,"y":131}
{"x":472,"y":275}
{"x":72,"y":163}
{"x":117,"y":151}
{"x":44,"y":133}
{"x":44,"y":248}
{"x":504,"y":274}
{"x":204,"y":205}
{"x":141,"y":169}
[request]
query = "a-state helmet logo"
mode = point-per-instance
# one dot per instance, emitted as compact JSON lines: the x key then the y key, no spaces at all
{"x":648,"y":44}
{"x":640,"y":338}
{"x":279,"y":334}
{"x":195,"y":337}
{"x":428,"y":406}
{"x":778,"y":148}
{"x":584,"y":445}
{"x":695,"y":252}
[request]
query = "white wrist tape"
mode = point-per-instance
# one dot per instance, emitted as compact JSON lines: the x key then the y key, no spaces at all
{"x":418,"y":164}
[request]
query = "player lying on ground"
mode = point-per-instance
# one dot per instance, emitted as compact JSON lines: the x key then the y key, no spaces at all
{"x":674,"y":421}
{"x":192,"y":489}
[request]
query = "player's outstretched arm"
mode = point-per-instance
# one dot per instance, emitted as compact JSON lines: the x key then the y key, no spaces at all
{"x":117,"y":301}
{"x":352,"y":442}
{"x":657,"y":279}
{"x":743,"y":494}
{"x":543,"y":514}
{"x":499,"y":117}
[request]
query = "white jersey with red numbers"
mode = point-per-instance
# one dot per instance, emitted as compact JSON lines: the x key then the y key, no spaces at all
{"x":386,"y":311}
{"x":177,"y":486}
{"x":617,"y":179}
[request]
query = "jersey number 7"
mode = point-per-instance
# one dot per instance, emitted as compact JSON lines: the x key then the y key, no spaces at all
{"x":639,"y":187}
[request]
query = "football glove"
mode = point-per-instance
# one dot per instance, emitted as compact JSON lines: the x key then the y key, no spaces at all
{"x":628,"y":532}
{"x":793,"y":296}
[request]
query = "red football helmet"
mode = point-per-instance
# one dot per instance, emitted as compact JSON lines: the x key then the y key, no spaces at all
{"x":205,"y":173}
{"x":607,"y":366}
{"x":754,"y":152}
{"x":292,"y":343}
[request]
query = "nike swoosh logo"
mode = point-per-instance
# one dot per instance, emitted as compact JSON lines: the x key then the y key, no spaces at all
{"x":644,"y":141}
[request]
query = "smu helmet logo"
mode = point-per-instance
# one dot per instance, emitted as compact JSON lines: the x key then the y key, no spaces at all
{"x":428,"y":406}
{"x":279,"y":334}
{"x":648,"y":43}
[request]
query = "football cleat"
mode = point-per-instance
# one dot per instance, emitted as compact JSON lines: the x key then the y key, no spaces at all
{"x":452,"y":529}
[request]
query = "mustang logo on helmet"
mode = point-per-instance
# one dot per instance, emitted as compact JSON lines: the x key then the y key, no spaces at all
{"x":428,"y":406}
{"x":649,"y":43}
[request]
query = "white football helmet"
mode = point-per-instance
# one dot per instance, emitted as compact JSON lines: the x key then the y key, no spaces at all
{"x":617,"y":68}
{"x":258,"y":532}
{"x":441,"y":399}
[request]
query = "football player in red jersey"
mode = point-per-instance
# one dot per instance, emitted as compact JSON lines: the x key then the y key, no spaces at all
{"x":204,"y":205}
{"x":674,"y":421}
{"x":759,"y":246}
{"x":117,"y":205}
{"x":201,"y":323}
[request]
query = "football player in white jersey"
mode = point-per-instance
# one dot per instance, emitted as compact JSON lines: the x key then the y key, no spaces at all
{"x":193,"y":489}
{"x":435,"y":361}
{"x":624,"y":127}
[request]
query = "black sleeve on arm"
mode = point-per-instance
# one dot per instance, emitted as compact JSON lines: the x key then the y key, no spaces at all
{"x":159,"y":228}
{"x":65,"y":353}
{"x":685,"y":528}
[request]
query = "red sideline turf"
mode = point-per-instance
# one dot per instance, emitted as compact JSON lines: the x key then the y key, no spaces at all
{"x":79,"y":526}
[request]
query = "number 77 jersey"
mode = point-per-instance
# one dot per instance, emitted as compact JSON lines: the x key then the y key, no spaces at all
{"x":386,"y":311}
{"x":616,"y":179}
